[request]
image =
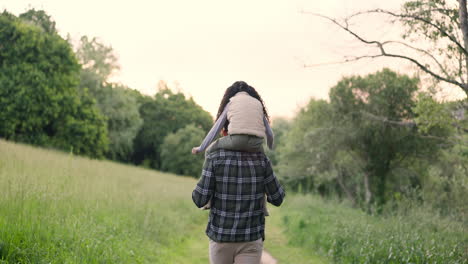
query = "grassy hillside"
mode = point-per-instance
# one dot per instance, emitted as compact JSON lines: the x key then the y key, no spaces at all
{"x":58,"y":208}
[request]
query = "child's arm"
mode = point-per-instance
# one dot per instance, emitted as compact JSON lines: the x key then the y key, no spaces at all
{"x":213,"y":132}
{"x":268,"y":132}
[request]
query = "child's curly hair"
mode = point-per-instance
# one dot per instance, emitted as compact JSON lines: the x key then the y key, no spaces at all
{"x":239,"y":86}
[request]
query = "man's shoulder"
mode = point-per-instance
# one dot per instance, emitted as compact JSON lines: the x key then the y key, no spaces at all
{"x":223,"y":154}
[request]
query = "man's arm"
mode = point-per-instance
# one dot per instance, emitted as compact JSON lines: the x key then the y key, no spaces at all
{"x":274,"y":190}
{"x":205,"y":187}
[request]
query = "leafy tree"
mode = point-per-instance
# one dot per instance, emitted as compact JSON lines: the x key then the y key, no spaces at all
{"x":166,"y":113}
{"x":38,"y":96}
{"x":296,"y":156}
{"x":82,"y":129}
{"x":358,"y":144}
{"x":176,"y":153}
{"x":40,"y":19}
{"x":98,"y":63}
{"x":117,"y":103}
{"x":279,"y":126}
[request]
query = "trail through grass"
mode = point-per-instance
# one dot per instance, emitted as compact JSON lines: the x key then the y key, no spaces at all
{"x":277,"y":244}
{"x":59,"y":208}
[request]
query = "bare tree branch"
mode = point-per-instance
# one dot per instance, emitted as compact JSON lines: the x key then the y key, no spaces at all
{"x":383,"y":52}
{"x":418,"y":18}
{"x":425,"y":52}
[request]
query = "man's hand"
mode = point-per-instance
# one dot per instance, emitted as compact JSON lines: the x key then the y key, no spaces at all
{"x":195,"y":150}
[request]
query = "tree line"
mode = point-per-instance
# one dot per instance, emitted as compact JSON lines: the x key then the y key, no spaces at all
{"x":376,"y":142}
{"x":386,"y":139}
{"x":58,"y":95}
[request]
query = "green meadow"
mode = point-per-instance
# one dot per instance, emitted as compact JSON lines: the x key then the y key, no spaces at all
{"x":60,"y":208}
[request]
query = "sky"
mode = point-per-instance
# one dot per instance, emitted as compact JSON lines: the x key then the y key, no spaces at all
{"x":203,"y":46}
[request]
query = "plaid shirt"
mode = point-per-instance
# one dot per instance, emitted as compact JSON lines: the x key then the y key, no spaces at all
{"x":236,"y":182}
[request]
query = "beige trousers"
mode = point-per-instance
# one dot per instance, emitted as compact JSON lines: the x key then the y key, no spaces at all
{"x":236,"y":253}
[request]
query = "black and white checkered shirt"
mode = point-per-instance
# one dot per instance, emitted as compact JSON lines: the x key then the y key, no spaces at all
{"x":236,"y":183}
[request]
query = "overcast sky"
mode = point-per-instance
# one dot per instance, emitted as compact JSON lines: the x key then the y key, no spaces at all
{"x":206,"y":45}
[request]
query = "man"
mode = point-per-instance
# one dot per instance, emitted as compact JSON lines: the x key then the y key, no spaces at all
{"x":236,"y":183}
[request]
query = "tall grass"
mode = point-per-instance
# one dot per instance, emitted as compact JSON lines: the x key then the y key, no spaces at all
{"x":58,"y":208}
{"x":348,"y":235}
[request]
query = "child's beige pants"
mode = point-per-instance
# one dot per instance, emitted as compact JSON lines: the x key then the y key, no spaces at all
{"x":236,"y":253}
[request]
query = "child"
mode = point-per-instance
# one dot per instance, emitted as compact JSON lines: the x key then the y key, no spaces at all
{"x":245,"y":123}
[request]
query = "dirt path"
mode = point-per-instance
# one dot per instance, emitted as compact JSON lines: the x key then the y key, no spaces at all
{"x":276,"y":243}
{"x":267,"y":258}
{"x":277,"y":250}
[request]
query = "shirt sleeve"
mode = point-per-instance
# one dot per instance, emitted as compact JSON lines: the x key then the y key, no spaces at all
{"x":274,"y":191}
{"x":214,"y":130}
{"x":269,"y":133}
{"x":205,"y":187}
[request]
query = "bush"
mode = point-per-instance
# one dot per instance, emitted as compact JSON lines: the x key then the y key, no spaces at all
{"x":176,"y":153}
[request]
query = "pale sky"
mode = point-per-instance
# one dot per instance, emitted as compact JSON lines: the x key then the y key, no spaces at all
{"x":206,"y":45}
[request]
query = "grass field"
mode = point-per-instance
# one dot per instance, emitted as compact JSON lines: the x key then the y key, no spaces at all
{"x":59,"y":208}
{"x":346,"y":235}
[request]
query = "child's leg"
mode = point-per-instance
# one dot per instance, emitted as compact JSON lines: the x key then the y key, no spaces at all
{"x":239,"y":142}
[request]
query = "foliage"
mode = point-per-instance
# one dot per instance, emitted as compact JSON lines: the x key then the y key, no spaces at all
{"x":119,"y":105}
{"x":98,"y":63}
{"x":38,"y":97}
{"x":431,"y":116}
{"x":40,"y":19}
{"x":82,"y":129}
{"x":346,"y":235}
{"x":358,"y":144}
{"x":438,"y":23}
{"x":296,"y":157}
{"x":166,"y":113}
{"x":115,"y":101}
{"x":280,"y":127}
{"x":176,"y":155}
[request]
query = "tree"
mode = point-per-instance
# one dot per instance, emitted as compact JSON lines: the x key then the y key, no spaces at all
{"x":38,"y":97}
{"x":166,"y":113}
{"x":296,"y":155}
{"x":115,"y":101}
{"x":442,"y":23}
{"x":81,"y":130}
{"x":120,"y":107}
{"x":98,"y":62}
{"x":280,"y":126}
{"x":40,"y":19}
{"x":357,"y":144}
{"x":176,"y":156}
